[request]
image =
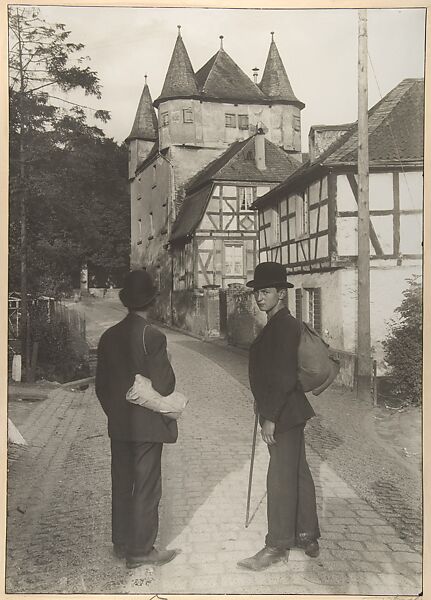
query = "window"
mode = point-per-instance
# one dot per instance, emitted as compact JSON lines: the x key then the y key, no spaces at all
{"x":230,"y":120}
{"x":154,"y":175}
{"x":234,"y":259}
{"x":165,"y":119}
{"x":314,"y":308}
{"x":151,"y":226}
{"x":187,"y":115}
{"x":139,"y":231}
{"x":274,"y":230}
{"x":301,"y":214}
{"x":246,"y":196}
{"x":243,"y":121}
{"x":298,"y":304}
{"x":296,"y":123}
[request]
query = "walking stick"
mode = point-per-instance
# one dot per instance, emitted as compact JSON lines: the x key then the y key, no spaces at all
{"x":250,"y":477}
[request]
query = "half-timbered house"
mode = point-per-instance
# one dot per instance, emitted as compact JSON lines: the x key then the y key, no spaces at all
{"x":214,"y":238}
{"x":310,"y":221}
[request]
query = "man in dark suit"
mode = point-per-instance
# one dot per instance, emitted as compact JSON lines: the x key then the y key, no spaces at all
{"x":137,"y":434}
{"x":283,"y":410}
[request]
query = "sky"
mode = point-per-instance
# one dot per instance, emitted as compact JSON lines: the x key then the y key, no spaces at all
{"x":318,"y":48}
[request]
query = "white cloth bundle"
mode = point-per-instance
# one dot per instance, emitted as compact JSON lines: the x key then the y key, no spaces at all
{"x":143,"y":394}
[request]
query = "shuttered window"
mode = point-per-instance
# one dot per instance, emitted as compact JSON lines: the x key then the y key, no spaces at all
{"x":298,"y":304}
{"x":314,"y":308}
{"x":230,"y":120}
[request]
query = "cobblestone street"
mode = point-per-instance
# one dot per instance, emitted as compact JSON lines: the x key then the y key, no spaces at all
{"x":59,"y":494}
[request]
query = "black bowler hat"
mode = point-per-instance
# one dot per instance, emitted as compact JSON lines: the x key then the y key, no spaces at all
{"x":139,"y":289}
{"x":269,"y":275}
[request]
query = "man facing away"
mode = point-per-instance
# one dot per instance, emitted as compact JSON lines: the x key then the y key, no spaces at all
{"x":283,"y":410}
{"x":137,"y":433}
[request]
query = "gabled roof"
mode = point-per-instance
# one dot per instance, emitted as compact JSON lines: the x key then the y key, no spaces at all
{"x":275,"y":83}
{"x":191,"y":212}
{"x":395,"y":126}
{"x":180,"y":81}
{"x":237,"y":163}
{"x":222,"y":79}
{"x":145,"y":126}
{"x":395,"y":129}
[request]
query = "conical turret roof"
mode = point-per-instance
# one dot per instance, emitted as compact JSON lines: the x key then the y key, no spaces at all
{"x":222,"y":79}
{"x":180,"y":81}
{"x":275,"y":83}
{"x":145,"y":125}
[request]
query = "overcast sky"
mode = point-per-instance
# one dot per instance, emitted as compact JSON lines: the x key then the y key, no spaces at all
{"x":318,"y":48}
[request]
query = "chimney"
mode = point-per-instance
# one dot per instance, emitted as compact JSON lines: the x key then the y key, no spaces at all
{"x":255,"y":74}
{"x":259,"y":149}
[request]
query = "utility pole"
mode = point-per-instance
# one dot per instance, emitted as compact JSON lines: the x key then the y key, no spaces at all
{"x":25,"y":326}
{"x":364,"y":336}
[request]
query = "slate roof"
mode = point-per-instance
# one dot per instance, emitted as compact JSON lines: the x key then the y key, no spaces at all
{"x":145,"y":125}
{"x":191,"y":212}
{"x":395,"y":126}
{"x":180,"y":81}
{"x":222,"y":79}
{"x":275,"y":83}
{"x":237,"y":163}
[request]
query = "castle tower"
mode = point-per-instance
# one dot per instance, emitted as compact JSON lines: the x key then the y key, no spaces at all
{"x":144,"y":131}
{"x":286,"y":108}
{"x":176,"y":105}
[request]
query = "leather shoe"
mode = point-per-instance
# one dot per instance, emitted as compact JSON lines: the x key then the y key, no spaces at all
{"x":312,"y":549}
{"x":154,"y":558}
{"x":120,"y":550}
{"x":263,"y":559}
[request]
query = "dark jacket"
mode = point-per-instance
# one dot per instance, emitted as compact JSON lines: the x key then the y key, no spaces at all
{"x":273,"y":365}
{"x":120,"y":357}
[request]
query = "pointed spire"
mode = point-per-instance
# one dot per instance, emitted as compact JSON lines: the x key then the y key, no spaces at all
{"x":145,"y":124}
{"x":180,"y":81}
{"x":275,"y":83}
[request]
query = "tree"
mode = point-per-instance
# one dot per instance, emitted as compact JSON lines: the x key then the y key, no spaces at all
{"x":42,"y":60}
{"x":403,"y":346}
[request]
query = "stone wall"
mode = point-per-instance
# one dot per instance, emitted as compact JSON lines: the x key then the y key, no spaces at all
{"x":197,"y":311}
{"x":244,"y":320}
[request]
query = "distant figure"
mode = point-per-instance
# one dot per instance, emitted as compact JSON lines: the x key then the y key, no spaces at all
{"x":283,"y":410}
{"x":137,"y":433}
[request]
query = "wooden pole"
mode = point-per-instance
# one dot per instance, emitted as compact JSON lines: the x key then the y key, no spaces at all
{"x":250,"y":476}
{"x":364,"y":336}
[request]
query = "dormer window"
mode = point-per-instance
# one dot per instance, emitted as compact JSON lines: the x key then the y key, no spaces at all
{"x":165,"y":119}
{"x":243,"y":121}
{"x":230,"y":120}
{"x":187,"y":115}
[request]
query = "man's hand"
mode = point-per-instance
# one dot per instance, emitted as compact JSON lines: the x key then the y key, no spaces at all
{"x":268,"y":429}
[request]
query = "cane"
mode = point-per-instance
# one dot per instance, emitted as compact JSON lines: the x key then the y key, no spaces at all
{"x":250,"y":477}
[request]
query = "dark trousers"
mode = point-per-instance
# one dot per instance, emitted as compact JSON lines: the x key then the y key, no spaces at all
{"x":291,"y":503}
{"x":136,"y":493}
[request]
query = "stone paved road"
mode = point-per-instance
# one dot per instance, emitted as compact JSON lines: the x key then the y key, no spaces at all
{"x":59,"y":502}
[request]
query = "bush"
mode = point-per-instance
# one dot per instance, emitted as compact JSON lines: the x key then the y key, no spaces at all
{"x":58,"y":359}
{"x":403,"y":346}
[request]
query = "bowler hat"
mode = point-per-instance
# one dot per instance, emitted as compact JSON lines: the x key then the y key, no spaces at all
{"x":139,"y":289}
{"x":269,"y":274}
